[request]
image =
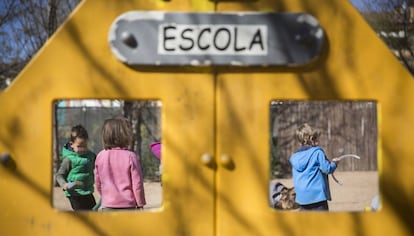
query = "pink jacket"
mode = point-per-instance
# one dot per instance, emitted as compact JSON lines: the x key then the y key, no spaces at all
{"x":118,"y":179}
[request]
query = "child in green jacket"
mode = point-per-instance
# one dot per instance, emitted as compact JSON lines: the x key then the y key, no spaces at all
{"x":75,"y":174}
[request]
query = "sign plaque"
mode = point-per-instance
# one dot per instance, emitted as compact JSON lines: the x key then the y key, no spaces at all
{"x":148,"y":38}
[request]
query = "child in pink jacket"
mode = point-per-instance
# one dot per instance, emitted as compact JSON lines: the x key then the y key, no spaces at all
{"x":118,"y":174}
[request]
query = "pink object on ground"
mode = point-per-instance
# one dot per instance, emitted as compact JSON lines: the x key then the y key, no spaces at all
{"x":156,"y":149}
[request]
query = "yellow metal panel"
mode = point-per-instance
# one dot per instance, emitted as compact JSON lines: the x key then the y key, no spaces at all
{"x":77,"y":63}
{"x":356,"y":66}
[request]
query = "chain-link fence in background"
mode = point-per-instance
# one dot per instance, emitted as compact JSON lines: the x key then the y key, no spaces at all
{"x":92,"y":118}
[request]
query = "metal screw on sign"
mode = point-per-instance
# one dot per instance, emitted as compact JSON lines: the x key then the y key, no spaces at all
{"x":129,"y":39}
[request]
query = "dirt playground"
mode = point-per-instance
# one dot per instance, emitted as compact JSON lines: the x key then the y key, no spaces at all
{"x":355,"y":193}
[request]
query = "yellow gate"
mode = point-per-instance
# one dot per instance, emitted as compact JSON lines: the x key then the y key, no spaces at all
{"x":219,"y":113}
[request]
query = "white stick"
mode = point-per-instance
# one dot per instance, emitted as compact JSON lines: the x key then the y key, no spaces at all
{"x":349,"y":155}
{"x":336,"y":180}
{"x":340,"y":158}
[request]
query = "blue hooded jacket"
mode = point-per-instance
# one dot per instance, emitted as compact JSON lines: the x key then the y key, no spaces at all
{"x":310,"y":168}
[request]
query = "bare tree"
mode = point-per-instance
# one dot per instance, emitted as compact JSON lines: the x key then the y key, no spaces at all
{"x":145,"y":118}
{"x":24,"y":27}
{"x":393,"y":21}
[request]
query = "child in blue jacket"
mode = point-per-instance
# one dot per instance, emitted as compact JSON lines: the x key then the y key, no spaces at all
{"x":310,"y":169}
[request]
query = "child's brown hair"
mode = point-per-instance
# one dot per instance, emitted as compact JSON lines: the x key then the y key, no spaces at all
{"x":78,"y":131}
{"x":116,"y":132}
{"x":306,"y":135}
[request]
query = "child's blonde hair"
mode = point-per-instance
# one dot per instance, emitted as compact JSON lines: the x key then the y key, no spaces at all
{"x":306,"y":135}
{"x":116,"y":133}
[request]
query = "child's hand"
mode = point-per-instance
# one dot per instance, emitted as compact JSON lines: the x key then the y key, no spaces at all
{"x":336,"y":159}
{"x":69,"y":186}
{"x":72,"y":185}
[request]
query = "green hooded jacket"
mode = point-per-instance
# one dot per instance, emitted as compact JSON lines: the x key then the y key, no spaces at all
{"x":82,"y":168}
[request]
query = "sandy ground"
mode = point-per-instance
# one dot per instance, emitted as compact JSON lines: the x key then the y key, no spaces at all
{"x":355,"y":193}
{"x":153,"y":196}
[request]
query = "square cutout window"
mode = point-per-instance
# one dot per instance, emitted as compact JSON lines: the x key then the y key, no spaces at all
{"x":348,"y":131}
{"x":144,"y":123}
